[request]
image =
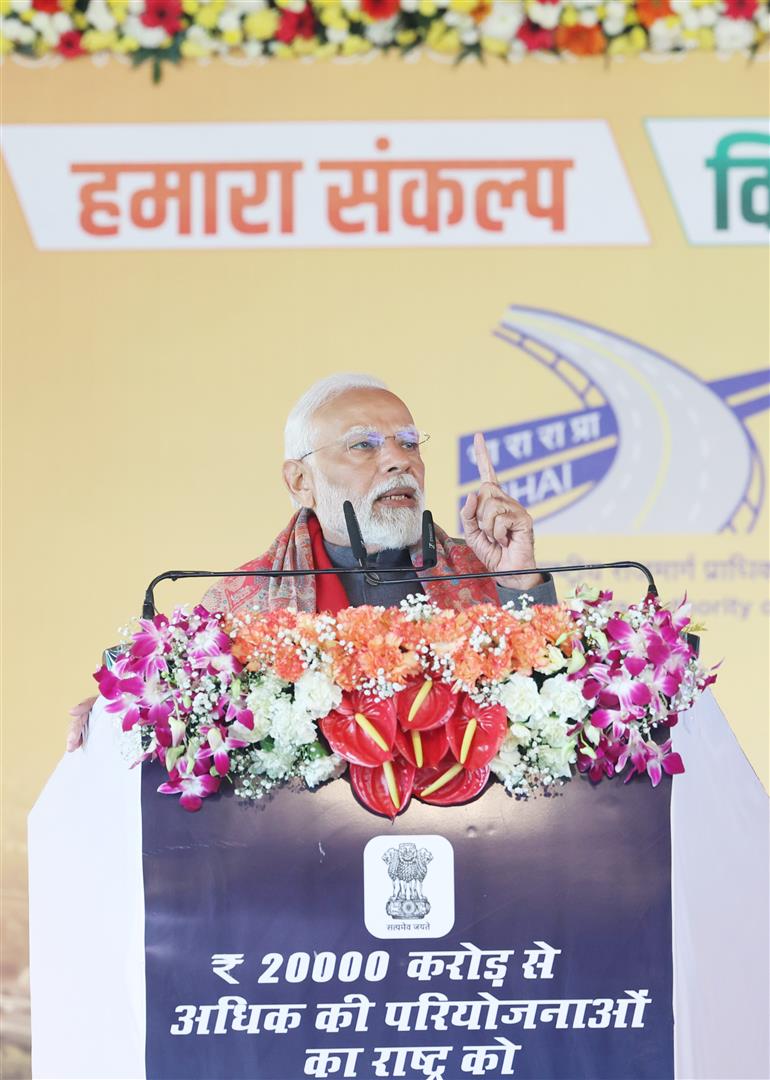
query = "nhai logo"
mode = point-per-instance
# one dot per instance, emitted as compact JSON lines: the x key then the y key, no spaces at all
{"x":648,"y":447}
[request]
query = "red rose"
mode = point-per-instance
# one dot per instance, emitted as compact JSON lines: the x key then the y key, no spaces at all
{"x":69,"y":44}
{"x":165,"y":13}
{"x":48,"y":6}
{"x":741,"y":9}
{"x":535,"y":37}
{"x":380,"y":9}
{"x":295,"y":25}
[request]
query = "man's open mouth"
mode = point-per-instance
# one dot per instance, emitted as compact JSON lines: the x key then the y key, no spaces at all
{"x":398,"y":497}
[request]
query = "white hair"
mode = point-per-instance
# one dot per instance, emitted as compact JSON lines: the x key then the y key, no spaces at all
{"x":298,"y":433}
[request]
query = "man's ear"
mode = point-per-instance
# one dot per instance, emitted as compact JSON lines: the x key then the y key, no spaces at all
{"x":298,"y":481}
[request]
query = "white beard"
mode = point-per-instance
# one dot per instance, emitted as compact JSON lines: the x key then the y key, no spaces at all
{"x":382,"y":527}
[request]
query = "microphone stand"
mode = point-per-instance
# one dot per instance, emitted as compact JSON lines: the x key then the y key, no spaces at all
{"x":429,"y":560}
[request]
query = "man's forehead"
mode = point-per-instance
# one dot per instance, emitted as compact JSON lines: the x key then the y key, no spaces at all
{"x":363,"y":406}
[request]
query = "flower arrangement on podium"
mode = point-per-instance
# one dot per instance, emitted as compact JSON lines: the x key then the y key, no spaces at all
{"x":410,"y":702}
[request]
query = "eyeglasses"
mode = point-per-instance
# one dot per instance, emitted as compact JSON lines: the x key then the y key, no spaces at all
{"x":363,"y":442}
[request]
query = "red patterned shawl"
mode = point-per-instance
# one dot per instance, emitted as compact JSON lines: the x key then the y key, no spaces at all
{"x":294,"y":549}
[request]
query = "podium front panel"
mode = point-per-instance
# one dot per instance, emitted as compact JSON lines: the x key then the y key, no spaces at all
{"x":548,"y":919}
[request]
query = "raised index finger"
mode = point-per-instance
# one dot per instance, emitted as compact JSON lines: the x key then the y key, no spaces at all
{"x":483,"y":460}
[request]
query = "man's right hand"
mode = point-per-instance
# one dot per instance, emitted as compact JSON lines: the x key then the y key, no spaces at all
{"x":79,"y":723}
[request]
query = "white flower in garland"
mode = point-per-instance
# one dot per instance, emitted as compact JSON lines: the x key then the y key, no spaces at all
{"x":277,"y":763}
{"x":520,"y":698}
{"x":289,"y":726}
{"x":509,"y":766}
{"x":563,"y":698}
{"x":51,"y":27}
{"x":733,"y":35}
{"x":665,"y":35}
{"x":100,"y":16}
{"x":18,"y":31}
{"x":614,"y":21}
{"x":545,"y":14}
{"x":317,"y":694}
{"x":504,"y":20}
{"x":149,"y":37}
{"x":322,"y":768}
{"x":260,"y":700}
{"x":588,"y":13}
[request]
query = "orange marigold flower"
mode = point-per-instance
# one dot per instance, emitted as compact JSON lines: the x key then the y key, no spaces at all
{"x":581,"y":40}
{"x":650,"y":10}
{"x":481,"y":10}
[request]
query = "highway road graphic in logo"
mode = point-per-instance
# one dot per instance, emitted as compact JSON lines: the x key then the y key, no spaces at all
{"x":648,"y":447}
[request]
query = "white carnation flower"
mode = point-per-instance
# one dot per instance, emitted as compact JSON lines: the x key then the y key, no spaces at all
{"x":317,"y":694}
{"x":290,"y":726}
{"x":276,"y":763}
{"x":564,"y":698}
{"x":557,"y":759}
{"x":553,"y":731}
{"x":519,"y":697}
{"x":261,"y":697}
{"x":320,"y":769}
{"x":508,"y":766}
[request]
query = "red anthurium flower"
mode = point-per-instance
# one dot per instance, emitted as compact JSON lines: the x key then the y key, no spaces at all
{"x":448,"y":783}
{"x":425,"y":704}
{"x":165,"y":13}
{"x":423,"y":748}
{"x":475,"y":733}
{"x":386,"y":789}
{"x":48,"y":6}
{"x":380,"y":9}
{"x":362,"y":729}
{"x":69,"y":44}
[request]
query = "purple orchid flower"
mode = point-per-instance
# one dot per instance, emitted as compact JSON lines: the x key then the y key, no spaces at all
{"x":220,"y":740}
{"x":193,"y":786}
{"x":651,"y":758}
{"x":602,"y":762}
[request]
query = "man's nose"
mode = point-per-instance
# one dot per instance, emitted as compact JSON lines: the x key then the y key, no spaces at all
{"x":394,"y":457}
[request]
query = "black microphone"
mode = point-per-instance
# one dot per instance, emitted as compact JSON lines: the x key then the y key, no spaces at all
{"x":357,"y":543}
{"x":429,"y":552}
{"x":354,"y":535}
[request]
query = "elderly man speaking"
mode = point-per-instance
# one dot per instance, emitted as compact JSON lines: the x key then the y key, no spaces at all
{"x":349,"y":437}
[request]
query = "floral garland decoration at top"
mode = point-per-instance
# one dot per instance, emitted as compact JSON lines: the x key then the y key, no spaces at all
{"x":412,"y":701}
{"x":170,"y":30}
